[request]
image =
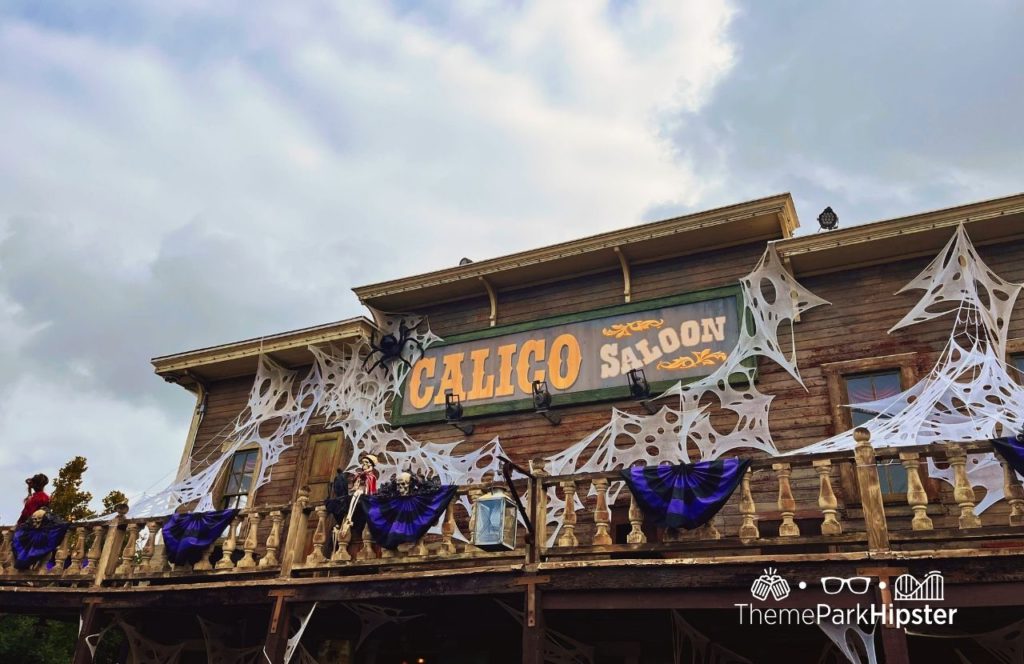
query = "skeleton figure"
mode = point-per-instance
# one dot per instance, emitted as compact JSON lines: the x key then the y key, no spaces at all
{"x":404,"y":483}
{"x":37,"y":519}
{"x":366,"y":483}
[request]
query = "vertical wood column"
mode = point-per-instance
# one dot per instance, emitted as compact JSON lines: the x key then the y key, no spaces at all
{"x":917,"y":497}
{"x":787,"y":503}
{"x":277,"y":629}
{"x":602,"y":515}
{"x":748,"y":509}
{"x":533,"y":630}
{"x":90,"y":622}
{"x":963,"y":492}
{"x":894,"y":645}
{"x":870,"y":491}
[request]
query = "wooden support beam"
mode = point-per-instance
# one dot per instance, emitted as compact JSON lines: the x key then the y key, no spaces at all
{"x":894,"y":645}
{"x":492,"y":296}
{"x":90,"y":622}
{"x":277,"y":628}
{"x":627,"y":277}
{"x":533,"y":625}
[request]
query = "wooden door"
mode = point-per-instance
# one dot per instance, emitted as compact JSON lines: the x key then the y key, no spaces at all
{"x":327,"y":453}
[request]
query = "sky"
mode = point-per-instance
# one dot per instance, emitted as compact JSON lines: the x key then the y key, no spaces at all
{"x":177,"y":175}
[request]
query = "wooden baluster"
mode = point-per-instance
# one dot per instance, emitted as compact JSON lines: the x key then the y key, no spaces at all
{"x":228,"y":546}
{"x":474,"y":495}
{"x":317,"y":556}
{"x":419,"y":549}
{"x":150,"y":546}
{"x":708,"y":531}
{"x":1014,"y":493}
{"x":917,"y":497}
{"x":251,"y":542}
{"x":159,"y":561}
{"x":77,"y":553}
{"x":95,"y":550}
{"x":963,"y":493}
{"x":568,"y":536}
{"x":827,"y":498}
{"x":602,"y":515}
{"x":204,"y":564}
{"x":273,"y":541}
{"x":447,"y":547}
{"x":786,"y":502}
{"x":366,"y":551}
{"x":748,"y":509}
{"x":636,"y":520}
{"x":59,"y":556}
{"x":131,"y":539}
{"x":341,"y":541}
{"x":6,"y":552}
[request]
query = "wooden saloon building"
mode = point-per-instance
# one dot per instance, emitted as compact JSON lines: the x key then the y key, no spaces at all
{"x":602,"y":582}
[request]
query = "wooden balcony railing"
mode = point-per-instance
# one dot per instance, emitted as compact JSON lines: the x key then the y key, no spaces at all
{"x":783,"y":506}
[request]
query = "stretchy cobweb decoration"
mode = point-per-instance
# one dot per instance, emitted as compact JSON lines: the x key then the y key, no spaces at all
{"x":689,"y":646}
{"x":971,"y":391}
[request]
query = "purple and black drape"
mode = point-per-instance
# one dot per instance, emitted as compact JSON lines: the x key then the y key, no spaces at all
{"x":1012,"y":450}
{"x":685,"y":495}
{"x":398,"y":519}
{"x":186,"y":536}
{"x":30,"y":545}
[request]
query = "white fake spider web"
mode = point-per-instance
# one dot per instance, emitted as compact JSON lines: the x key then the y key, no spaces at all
{"x":969,"y":393}
{"x":687,"y":640}
{"x":840,"y":635}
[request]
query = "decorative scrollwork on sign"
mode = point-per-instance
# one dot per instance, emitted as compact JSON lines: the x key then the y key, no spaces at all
{"x":701,"y":358}
{"x":622,"y":330}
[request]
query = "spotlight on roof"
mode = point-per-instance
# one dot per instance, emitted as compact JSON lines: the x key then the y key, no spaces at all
{"x":640,"y":389}
{"x":453,"y":413}
{"x":542,"y":402}
{"x":828,"y":219}
{"x":465,"y":261}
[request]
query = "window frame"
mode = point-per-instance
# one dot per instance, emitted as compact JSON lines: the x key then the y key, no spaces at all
{"x":1015,"y":351}
{"x":225,"y":475}
{"x":836,"y":374}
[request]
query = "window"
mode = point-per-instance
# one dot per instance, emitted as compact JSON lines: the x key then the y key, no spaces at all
{"x":864,"y":388}
{"x":239,"y":479}
{"x":1018,"y":362}
{"x":860,"y":381}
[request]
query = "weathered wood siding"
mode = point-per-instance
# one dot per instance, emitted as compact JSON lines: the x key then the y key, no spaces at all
{"x":864,"y":307}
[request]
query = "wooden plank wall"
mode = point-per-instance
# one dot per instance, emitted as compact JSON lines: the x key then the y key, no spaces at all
{"x":864,"y":306}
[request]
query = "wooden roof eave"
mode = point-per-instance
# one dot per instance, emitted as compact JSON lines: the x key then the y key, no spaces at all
{"x":987,"y":222}
{"x":766,"y":219}
{"x":240,"y":358}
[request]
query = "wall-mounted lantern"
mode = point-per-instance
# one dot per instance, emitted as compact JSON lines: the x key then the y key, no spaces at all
{"x":494,"y":521}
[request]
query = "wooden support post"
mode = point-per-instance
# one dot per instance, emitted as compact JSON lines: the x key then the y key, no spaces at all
{"x":533,"y":625}
{"x":538,"y":511}
{"x":748,"y":529}
{"x":273,"y":541}
{"x":870,"y":491}
{"x":474,"y":495}
{"x":827,"y":498}
{"x":568,"y":536}
{"x":90,"y":625}
{"x":917,"y":497}
{"x":277,"y":629}
{"x":636,"y":520}
{"x":602,"y":515}
{"x":295,"y":538}
{"x":1014,"y":493}
{"x":894,"y":645}
{"x":786,"y":502}
{"x":963,"y":492}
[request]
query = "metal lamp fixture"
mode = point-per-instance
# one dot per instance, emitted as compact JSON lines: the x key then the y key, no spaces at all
{"x":494,"y":521}
{"x":542,"y":402}
{"x":828,"y":220}
{"x":453,"y":413}
{"x":640,"y":389}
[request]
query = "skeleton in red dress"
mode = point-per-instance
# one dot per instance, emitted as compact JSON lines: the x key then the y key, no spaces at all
{"x":365,"y":483}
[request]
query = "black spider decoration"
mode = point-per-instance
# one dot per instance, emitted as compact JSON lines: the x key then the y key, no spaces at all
{"x":391,"y":348}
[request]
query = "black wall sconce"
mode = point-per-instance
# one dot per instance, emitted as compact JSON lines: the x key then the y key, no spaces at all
{"x":542,"y":402}
{"x":453,"y":413}
{"x":640,"y":389}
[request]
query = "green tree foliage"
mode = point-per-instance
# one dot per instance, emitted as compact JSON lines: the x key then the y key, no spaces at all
{"x":36,"y":640}
{"x":112,"y":500}
{"x":68,"y":501}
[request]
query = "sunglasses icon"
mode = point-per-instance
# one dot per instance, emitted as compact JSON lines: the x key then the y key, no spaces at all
{"x":833,"y":585}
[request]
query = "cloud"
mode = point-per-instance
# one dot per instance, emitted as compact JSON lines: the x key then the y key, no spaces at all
{"x":179,"y":175}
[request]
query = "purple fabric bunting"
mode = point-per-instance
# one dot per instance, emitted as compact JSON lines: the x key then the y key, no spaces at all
{"x":685,"y":495}
{"x":31,"y":545}
{"x":187,"y":536}
{"x":1012,"y":450}
{"x":399,"y":519}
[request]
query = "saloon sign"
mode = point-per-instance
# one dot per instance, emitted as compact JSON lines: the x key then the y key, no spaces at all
{"x":587,"y":355}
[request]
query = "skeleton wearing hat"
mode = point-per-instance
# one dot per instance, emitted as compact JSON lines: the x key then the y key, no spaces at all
{"x":365,"y":484}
